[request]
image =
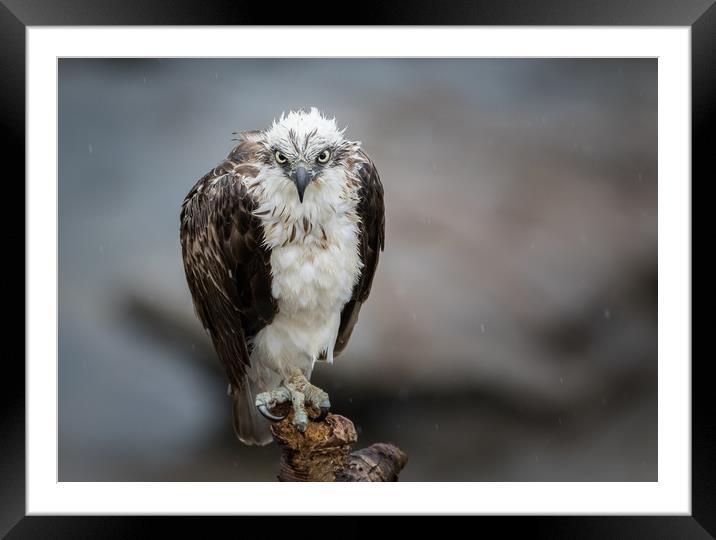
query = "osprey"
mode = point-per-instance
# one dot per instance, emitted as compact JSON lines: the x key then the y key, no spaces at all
{"x":280,"y":243}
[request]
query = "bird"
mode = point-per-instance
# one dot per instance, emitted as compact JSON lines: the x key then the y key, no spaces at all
{"x":280,"y":244}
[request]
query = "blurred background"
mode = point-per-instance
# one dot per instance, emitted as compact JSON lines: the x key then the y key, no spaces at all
{"x":511,"y":333}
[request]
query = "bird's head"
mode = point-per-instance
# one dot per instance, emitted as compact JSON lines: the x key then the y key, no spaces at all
{"x":305,"y":146}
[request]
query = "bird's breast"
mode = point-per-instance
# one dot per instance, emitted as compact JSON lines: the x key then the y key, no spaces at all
{"x":315,"y":274}
{"x":312,"y":281}
{"x":314,"y":263}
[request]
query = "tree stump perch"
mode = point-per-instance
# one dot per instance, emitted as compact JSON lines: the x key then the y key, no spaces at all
{"x":323,"y":453}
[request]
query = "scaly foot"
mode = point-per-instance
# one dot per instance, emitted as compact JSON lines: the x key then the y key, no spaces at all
{"x":299,"y":392}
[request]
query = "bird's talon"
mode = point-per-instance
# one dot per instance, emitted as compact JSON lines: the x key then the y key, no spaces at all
{"x":299,"y":393}
{"x":324,"y":413}
{"x":266,"y":413}
{"x":300,"y":421}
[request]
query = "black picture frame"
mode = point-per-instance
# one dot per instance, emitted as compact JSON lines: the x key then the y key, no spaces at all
{"x":16,"y":15}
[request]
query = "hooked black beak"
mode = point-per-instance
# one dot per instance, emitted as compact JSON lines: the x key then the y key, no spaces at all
{"x":301,"y":177}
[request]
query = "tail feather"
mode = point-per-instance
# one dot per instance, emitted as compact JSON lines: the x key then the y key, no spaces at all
{"x":250,"y":427}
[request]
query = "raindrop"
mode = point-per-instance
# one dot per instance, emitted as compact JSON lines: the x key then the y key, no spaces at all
{"x":101,"y":248}
{"x":89,"y":147}
{"x":437,"y":427}
{"x":482,"y":328}
{"x":607,"y":314}
{"x":561,"y":380}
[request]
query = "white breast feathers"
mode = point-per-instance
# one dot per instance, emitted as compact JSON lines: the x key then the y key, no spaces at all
{"x":314,"y":263}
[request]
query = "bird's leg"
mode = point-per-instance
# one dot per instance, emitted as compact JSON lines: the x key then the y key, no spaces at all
{"x":300,"y":393}
{"x":311,"y":395}
{"x":298,"y":400}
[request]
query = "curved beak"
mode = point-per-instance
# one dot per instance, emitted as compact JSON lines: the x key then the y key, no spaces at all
{"x":301,"y":177}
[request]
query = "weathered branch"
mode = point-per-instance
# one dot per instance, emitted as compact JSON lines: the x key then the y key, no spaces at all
{"x":323,"y":454}
{"x":380,"y":462}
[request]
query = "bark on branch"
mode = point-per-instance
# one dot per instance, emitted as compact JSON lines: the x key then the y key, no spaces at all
{"x":323,"y":454}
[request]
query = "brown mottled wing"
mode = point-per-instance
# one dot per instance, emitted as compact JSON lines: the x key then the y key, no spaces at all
{"x":227,"y":268}
{"x":371,"y":233}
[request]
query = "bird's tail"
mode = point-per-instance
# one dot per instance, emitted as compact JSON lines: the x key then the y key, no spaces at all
{"x":250,"y":427}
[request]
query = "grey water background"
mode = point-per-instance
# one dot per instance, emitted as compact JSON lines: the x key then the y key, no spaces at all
{"x":511,"y":334}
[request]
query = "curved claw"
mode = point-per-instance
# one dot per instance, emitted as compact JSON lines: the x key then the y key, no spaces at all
{"x":264,"y":410}
{"x":324,"y":413}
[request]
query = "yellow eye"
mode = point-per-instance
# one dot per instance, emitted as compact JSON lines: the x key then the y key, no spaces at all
{"x":323,"y":157}
{"x":280,"y":158}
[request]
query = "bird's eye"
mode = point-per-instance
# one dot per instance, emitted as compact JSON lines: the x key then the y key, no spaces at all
{"x":280,"y":158}
{"x":323,"y":157}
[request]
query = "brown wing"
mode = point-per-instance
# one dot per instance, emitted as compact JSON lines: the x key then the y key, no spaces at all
{"x":227,"y":268}
{"x":371,"y":212}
